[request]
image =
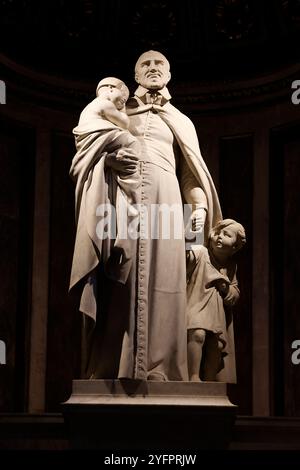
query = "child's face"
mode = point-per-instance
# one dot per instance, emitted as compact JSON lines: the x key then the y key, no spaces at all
{"x":116,"y":96}
{"x":223,"y":241}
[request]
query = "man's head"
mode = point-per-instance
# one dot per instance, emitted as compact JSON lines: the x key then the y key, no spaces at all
{"x":114,"y":90}
{"x":227,"y":237}
{"x":152,"y":70}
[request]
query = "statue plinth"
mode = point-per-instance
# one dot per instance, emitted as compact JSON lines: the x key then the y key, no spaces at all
{"x":131,"y":414}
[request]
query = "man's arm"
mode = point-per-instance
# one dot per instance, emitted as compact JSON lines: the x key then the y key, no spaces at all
{"x":193,"y":195}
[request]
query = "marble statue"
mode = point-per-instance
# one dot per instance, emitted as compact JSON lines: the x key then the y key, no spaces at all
{"x":107,"y":113}
{"x":212,"y":291}
{"x":134,"y":284}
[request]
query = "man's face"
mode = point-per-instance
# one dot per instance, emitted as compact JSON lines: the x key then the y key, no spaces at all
{"x":152,"y":71}
{"x":223,"y":241}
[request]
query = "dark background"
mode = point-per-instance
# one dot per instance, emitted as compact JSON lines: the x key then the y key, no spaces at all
{"x":233,"y":63}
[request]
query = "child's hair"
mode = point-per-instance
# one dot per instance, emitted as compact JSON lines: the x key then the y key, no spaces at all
{"x":114,"y":82}
{"x":236,"y":226}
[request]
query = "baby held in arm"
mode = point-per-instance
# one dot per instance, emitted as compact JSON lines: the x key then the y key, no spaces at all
{"x":106,"y":148}
{"x":106,"y":116}
{"x":109,"y":105}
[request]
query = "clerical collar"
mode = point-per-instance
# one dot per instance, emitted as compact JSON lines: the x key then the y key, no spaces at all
{"x":141,"y":91}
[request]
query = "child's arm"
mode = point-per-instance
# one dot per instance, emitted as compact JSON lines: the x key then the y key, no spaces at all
{"x":229,"y":290}
{"x":233,"y":294}
{"x":108,"y":111}
{"x":223,"y":287}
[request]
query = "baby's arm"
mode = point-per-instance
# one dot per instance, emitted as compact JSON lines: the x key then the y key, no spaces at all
{"x":108,"y":111}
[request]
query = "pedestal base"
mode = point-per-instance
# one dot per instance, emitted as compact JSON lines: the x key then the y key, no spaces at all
{"x":130,"y":414}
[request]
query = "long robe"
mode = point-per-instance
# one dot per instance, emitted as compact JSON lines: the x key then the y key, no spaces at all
{"x":140,"y":329}
{"x":96,"y":191}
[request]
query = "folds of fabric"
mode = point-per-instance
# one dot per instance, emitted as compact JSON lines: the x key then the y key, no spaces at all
{"x":100,"y":207}
{"x":205,"y":309}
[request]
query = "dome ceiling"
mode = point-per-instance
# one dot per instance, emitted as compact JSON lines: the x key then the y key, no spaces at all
{"x":207,"y":39}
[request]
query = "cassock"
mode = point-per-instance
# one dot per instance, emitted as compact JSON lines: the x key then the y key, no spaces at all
{"x":138,"y":310}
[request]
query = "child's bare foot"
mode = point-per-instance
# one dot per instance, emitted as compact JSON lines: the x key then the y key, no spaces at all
{"x":195,"y":378}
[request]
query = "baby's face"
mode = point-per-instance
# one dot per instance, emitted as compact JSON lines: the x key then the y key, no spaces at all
{"x":116,"y":96}
{"x":223,"y":241}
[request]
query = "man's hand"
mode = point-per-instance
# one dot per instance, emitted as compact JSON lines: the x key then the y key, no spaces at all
{"x":198,"y":219}
{"x":124,"y":161}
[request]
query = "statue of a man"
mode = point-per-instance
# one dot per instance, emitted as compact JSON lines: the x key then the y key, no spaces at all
{"x":135,"y":291}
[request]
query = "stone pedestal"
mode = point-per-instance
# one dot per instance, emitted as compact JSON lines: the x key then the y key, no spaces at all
{"x":130,"y":414}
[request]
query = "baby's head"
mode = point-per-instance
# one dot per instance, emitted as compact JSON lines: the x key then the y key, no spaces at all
{"x":114,"y":90}
{"x":226,"y":238}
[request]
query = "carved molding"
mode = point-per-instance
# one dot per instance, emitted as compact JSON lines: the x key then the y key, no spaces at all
{"x":234,"y":19}
{"x":25,"y":85}
{"x":154,"y":24}
{"x":111,"y":30}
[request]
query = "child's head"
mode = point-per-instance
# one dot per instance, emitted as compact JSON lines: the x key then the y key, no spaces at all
{"x":114,"y":90}
{"x":227,"y":237}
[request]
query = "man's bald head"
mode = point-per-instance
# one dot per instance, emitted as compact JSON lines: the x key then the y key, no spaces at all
{"x":152,"y":70}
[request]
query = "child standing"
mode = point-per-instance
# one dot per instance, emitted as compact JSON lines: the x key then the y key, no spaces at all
{"x":212,"y":290}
